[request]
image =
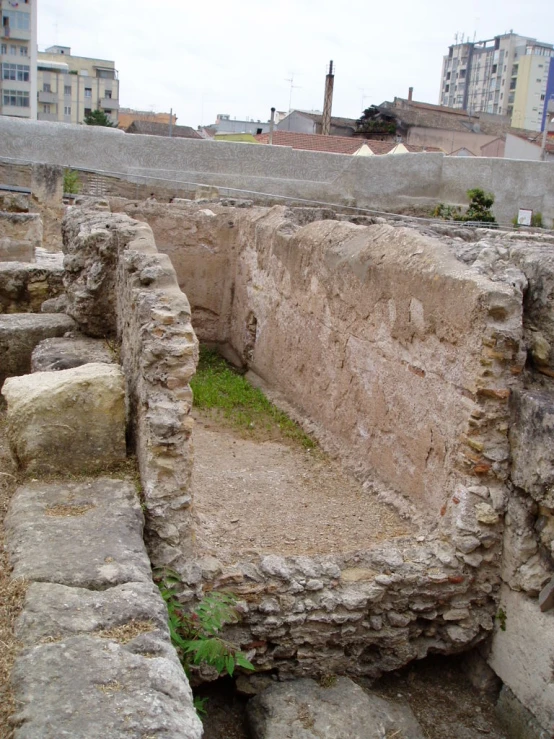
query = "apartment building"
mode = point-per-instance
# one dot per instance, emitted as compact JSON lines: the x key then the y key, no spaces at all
{"x":70,"y":87}
{"x":507,"y":75}
{"x":18,"y":58}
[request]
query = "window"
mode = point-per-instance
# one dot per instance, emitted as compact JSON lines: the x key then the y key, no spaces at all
{"x":67,"y":90}
{"x":88,"y":92}
{"x":448,"y":75}
{"x":105,"y":74}
{"x":17,"y":98}
{"x":67,"y":110}
{"x":19,"y":72}
{"x":13,"y":50}
{"x":494,"y":68}
{"x":23,"y":51}
{"x":542,"y":97}
{"x":88,"y":111}
{"x":513,"y":84}
{"x":539,"y":81}
{"x":447,"y":88}
{"x":514,"y":70}
{"x":108,"y":94}
{"x":107,"y":112}
{"x":3,"y":48}
{"x":15,"y":20}
{"x":46,"y":109}
{"x":462,"y":74}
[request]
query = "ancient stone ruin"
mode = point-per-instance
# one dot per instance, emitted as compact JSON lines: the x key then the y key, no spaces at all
{"x":420,"y":356}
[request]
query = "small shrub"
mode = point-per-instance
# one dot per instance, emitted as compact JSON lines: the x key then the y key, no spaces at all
{"x":536,"y":220}
{"x":71,"y":182}
{"x":195,"y":634}
{"x":480,"y":204}
{"x":446,"y":212}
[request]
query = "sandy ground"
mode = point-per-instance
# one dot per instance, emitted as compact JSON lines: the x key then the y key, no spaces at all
{"x":269,"y":497}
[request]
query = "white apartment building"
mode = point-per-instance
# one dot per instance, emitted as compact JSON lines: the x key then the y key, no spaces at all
{"x":70,"y":87}
{"x":18,"y":58}
{"x":508,"y":75}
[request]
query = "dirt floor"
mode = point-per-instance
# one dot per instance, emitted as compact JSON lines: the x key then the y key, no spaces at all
{"x":11,"y":594}
{"x":271,"y":497}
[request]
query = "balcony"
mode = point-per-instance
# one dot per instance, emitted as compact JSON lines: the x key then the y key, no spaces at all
{"x":47,"y":116}
{"x":108,"y":103}
{"x":47,"y":97}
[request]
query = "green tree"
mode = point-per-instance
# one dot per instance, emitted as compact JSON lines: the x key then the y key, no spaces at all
{"x":98,"y":118}
{"x":71,"y":182}
{"x":373,"y":121}
{"x":480,"y":204}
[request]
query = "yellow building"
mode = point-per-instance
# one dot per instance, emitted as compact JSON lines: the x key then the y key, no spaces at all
{"x":70,"y":87}
{"x":530,"y":91}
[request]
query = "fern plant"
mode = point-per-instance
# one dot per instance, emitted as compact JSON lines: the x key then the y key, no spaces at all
{"x":196,"y":634}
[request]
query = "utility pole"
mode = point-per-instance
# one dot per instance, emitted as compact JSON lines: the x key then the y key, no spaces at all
{"x":171,"y":122}
{"x":271,"y":125}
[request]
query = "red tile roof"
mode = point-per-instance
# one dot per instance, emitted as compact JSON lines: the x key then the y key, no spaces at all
{"x":333,"y":144}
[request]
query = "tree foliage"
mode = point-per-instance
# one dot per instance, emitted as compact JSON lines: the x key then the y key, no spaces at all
{"x":371,"y":121}
{"x":99,"y":118}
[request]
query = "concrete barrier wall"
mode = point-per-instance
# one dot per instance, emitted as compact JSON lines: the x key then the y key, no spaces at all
{"x":372,"y":182}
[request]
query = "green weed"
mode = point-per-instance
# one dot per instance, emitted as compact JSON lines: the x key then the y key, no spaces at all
{"x":196,"y":634}
{"x":219,"y":389}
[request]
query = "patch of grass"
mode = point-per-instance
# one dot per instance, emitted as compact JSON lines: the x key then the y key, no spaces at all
{"x":219,"y":389}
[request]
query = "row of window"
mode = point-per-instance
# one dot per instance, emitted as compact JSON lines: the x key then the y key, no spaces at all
{"x":47,"y":87}
{"x":15,"y":20}
{"x":13,"y":49}
{"x":66,"y":110}
{"x":17,"y":98}
{"x":16,"y":72}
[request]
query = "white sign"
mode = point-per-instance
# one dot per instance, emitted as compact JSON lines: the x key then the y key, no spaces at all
{"x":524,"y":217}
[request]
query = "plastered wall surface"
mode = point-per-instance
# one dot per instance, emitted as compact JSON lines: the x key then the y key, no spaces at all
{"x":372,"y":182}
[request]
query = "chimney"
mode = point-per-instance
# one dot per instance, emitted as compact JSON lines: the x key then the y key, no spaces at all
{"x":271,"y":125}
{"x":328,"y":101}
{"x":410,"y":93}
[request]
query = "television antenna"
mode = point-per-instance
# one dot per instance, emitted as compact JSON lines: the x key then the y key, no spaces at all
{"x":292,"y":87}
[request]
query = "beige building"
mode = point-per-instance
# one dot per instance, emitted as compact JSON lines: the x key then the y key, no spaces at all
{"x":128,"y":116}
{"x":508,"y":75}
{"x":70,"y":87}
{"x":18,"y":56}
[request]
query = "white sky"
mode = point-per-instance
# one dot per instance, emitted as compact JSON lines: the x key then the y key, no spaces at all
{"x":225,"y":56}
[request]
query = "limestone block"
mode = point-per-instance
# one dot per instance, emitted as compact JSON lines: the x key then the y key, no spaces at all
{"x":517,"y":721}
{"x":67,"y":421}
{"x":20,"y":333}
{"x":54,"y":611}
{"x":70,"y":351}
{"x":51,"y":525}
{"x":302,"y":709}
{"x":24,"y":287}
{"x":14,"y":202}
{"x":15,"y":250}
{"x":532,"y":443}
{"x":102,"y":689}
{"x":522,"y":655}
{"x":19,"y":228}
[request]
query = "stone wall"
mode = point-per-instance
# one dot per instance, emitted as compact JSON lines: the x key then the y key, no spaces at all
{"x":425,"y":361}
{"x":384,"y":183}
{"x":119,"y":286}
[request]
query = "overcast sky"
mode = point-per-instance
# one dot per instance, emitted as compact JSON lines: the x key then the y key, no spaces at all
{"x":202,"y":58}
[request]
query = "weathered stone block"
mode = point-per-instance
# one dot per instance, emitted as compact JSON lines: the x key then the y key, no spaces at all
{"x":20,"y":333}
{"x":304,"y":710}
{"x":20,"y":235}
{"x":522,"y":655}
{"x":24,"y":287}
{"x":51,"y":525}
{"x":67,"y":421}
{"x":532,"y":444}
{"x":70,"y":351}
{"x":102,"y":690}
